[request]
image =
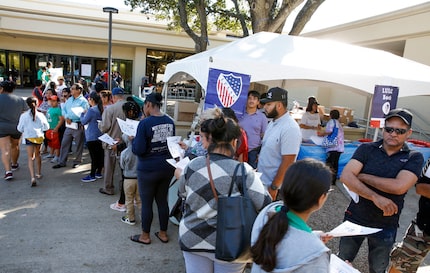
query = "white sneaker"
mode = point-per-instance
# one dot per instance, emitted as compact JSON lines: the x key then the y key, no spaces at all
{"x":48,"y":156}
{"x":125,"y":219}
{"x":118,"y":207}
{"x":55,"y":159}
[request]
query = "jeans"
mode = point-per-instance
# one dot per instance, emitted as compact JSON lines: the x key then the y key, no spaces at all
{"x":253,"y":158}
{"x":379,"y":244}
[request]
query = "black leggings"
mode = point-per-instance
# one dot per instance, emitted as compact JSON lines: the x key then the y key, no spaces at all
{"x":154,"y":185}
{"x":333,"y":162}
{"x":97,"y":156}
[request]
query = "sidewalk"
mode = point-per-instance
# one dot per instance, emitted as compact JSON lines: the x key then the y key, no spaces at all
{"x":64,"y":225}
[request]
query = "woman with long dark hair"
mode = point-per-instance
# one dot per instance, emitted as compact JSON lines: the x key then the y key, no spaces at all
{"x":33,"y":124}
{"x":281,"y":240}
{"x":197,"y":229}
{"x":91,"y":118}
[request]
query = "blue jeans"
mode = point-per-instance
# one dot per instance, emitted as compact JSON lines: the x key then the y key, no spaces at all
{"x":379,"y":244}
{"x":253,"y":158}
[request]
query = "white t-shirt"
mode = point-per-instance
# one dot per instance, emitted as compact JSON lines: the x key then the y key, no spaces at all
{"x":309,"y":120}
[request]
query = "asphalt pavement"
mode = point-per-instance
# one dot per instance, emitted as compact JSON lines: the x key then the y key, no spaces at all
{"x":64,"y":225}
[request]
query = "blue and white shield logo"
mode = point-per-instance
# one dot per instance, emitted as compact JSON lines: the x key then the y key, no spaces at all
{"x":228,"y":88}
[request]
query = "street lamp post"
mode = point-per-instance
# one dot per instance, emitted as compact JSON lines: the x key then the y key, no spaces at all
{"x":110,"y":10}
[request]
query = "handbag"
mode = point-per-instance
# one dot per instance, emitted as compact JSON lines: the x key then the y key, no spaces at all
{"x":331,"y":139}
{"x":236,"y":215}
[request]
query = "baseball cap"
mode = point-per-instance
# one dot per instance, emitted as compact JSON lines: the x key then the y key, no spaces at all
{"x":117,"y":91}
{"x":53,"y":98}
{"x":60,"y":78}
{"x":275,"y":94}
{"x":404,"y":114}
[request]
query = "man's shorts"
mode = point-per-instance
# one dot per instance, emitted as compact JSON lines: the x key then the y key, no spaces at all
{"x":407,"y":256}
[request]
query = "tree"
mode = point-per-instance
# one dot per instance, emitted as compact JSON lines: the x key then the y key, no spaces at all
{"x":198,"y":17}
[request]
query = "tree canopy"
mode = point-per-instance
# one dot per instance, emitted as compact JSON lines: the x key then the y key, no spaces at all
{"x":239,"y":17}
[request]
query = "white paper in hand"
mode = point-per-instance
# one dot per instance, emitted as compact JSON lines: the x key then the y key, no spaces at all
{"x":107,"y":139}
{"x":350,"y":229}
{"x":355,"y":197}
{"x":337,"y":265}
{"x":77,"y":110}
{"x":175,"y":150}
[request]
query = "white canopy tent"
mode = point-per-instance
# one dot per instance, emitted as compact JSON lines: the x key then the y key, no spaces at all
{"x":271,"y":58}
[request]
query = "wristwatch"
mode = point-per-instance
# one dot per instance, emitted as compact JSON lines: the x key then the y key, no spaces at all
{"x":273,"y":187}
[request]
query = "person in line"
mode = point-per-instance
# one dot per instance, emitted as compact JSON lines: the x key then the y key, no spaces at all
{"x":197,"y":228}
{"x":254,"y":122}
{"x":333,"y":153}
{"x":109,"y":125}
{"x":281,"y":142}
{"x":60,"y":86}
{"x":74,"y":128}
{"x":91,"y":118}
{"x":381,"y":173}
{"x":310,"y":122}
{"x":12,"y":107}
{"x":153,"y":171}
{"x":106,"y":96}
{"x":38,"y":92}
{"x":409,"y":254}
{"x":128,"y":163}
{"x":32,"y":124}
{"x":241,"y":153}
{"x":281,"y":226}
{"x":55,"y":120}
{"x":200,"y":148}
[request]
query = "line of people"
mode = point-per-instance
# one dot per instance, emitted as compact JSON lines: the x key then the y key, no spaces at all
{"x":380,"y":173}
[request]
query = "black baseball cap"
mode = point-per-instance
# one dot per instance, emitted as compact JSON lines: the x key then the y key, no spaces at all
{"x":404,"y":114}
{"x":275,"y":94}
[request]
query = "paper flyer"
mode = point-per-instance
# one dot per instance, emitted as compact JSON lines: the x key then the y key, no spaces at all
{"x":107,"y":139}
{"x":355,"y":197}
{"x":337,"y":265}
{"x":350,"y":229}
{"x":128,"y":127}
{"x":181,"y":164}
{"x":72,"y":125}
{"x":175,"y":150}
{"x":77,"y":111}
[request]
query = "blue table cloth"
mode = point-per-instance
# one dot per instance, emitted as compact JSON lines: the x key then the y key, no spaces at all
{"x":317,"y":152}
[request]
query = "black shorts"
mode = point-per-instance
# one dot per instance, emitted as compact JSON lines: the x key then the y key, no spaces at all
{"x":14,"y":136}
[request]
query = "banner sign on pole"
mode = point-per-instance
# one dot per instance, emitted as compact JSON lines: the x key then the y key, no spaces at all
{"x":227,"y":89}
{"x":384,"y":99}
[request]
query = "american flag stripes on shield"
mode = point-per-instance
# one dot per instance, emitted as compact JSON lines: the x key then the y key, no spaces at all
{"x":227,"y":89}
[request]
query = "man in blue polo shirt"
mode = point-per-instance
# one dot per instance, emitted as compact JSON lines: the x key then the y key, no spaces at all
{"x":74,"y":129}
{"x":381,"y":173}
{"x":254,"y":122}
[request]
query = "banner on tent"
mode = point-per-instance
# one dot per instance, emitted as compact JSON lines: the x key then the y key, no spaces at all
{"x":384,"y":99}
{"x":227,"y":89}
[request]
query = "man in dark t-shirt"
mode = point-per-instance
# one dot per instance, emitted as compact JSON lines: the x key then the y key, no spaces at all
{"x":381,"y":173}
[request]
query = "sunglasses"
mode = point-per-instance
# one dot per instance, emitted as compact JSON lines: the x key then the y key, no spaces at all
{"x":398,"y":131}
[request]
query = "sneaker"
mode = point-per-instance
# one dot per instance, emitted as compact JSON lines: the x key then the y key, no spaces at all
{"x":55,"y":159}
{"x":76,"y":165}
{"x":8,"y":175}
{"x":57,"y":166}
{"x":125,"y":219}
{"x":14,"y":167}
{"x":48,"y":156}
{"x":88,"y":179}
{"x":99,"y":176}
{"x":118,"y":207}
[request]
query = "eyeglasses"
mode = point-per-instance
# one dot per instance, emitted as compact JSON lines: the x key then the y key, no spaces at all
{"x":398,"y":131}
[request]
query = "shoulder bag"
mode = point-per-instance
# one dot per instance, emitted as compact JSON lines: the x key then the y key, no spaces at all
{"x":235,"y":217}
{"x":331,"y":139}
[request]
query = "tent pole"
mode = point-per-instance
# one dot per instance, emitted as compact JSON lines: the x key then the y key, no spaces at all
{"x":368,"y":116}
{"x":164,"y":93}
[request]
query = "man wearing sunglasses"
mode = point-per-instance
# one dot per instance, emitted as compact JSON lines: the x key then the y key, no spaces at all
{"x":381,"y":173}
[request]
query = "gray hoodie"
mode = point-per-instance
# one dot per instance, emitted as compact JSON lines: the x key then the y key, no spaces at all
{"x":298,"y":252}
{"x":128,"y":160}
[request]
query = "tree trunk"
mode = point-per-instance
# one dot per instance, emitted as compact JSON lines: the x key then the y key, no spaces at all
{"x":201,"y":41}
{"x":304,"y":16}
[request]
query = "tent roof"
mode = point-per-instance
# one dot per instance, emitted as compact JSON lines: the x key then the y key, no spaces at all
{"x":271,"y":57}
